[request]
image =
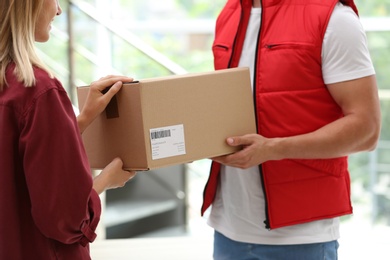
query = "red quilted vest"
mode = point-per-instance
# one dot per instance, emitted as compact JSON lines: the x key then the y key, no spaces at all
{"x":291,"y":99}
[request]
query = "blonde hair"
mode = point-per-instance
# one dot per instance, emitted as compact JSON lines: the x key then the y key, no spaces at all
{"x":17,"y":41}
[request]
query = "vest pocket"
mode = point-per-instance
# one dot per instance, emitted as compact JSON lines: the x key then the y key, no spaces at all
{"x":287,"y":45}
{"x":221,"y":47}
{"x":222,"y":53}
{"x":298,"y":62}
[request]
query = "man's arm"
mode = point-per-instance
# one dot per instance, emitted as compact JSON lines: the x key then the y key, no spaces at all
{"x":357,"y":131}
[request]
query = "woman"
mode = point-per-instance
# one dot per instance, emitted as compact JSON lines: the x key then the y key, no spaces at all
{"x":49,"y":203}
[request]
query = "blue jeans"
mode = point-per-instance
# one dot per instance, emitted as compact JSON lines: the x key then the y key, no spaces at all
{"x":227,"y":249}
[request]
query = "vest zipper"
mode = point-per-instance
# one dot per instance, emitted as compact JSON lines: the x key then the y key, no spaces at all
{"x":290,"y":45}
{"x":270,"y":46}
{"x":266,"y":221}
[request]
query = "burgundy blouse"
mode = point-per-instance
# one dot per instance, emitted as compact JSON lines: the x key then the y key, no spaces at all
{"x":48,"y":209}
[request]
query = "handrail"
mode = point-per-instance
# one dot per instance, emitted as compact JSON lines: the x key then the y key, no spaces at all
{"x":130,"y":38}
{"x":370,"y":24}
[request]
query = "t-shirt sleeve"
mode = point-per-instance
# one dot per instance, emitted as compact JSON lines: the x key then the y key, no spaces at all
{"x":345,"y":55}
{"x":64,"y":205}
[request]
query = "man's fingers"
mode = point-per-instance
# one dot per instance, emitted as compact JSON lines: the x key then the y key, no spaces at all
{"x":238,"y":140}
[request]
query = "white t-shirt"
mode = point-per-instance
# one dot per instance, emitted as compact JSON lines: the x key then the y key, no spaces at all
{"x":238,"y":210}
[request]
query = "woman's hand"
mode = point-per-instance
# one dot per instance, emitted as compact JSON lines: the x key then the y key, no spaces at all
{"x":98,"y":98}
{"x":113,"y":176}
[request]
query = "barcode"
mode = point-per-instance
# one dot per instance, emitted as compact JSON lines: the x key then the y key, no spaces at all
{"x":160,"y":134}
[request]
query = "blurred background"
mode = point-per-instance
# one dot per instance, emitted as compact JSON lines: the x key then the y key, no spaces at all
{"x":145,"y":39}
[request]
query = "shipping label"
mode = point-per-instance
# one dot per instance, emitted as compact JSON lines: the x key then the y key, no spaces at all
{"x":167,"y":141}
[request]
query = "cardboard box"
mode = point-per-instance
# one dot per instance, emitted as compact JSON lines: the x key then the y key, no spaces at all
{"x":171,"y":120}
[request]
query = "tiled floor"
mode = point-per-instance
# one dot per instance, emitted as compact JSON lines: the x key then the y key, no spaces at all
{"x":359,"y":241}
